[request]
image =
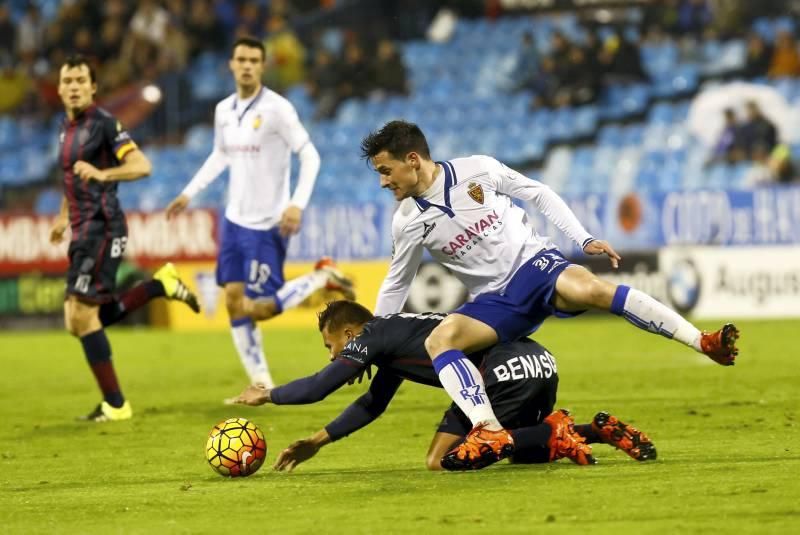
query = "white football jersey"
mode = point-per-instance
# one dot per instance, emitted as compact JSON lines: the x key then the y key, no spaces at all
{"x":469,"y":224}
{"x":255,"y":138}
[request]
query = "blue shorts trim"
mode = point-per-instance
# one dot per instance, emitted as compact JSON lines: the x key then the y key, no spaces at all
{"x":526,"y":301}
{"x":254,"y":257}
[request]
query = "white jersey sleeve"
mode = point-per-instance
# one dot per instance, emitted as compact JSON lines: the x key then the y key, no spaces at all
{"x":406,"y":256}
{"x":297,"y":138}
{"x":517,"y":185}
{"x":214,"y":165}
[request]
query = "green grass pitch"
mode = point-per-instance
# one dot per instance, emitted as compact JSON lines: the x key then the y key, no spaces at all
{"x":727,"y":438}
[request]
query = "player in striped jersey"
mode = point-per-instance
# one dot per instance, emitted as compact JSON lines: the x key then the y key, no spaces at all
{"x":95,"y":153}
{"x":462,"y":212}
{"x":255,"y":133}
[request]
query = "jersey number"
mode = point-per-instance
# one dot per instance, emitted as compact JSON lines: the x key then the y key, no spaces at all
{"x":118,"y":246}
{"x":259,"y":273}
{"x":82,"y":283}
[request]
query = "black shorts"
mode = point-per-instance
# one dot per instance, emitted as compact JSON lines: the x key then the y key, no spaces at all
{"x":93,"y":264}
{"x":522,"y":394}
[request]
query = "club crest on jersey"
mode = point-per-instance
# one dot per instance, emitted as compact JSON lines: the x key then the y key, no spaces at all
{"x":476,"y":192}
{"x":257,"y":122}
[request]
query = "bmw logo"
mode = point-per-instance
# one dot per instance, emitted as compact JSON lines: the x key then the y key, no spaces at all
{"x":683,"y":285}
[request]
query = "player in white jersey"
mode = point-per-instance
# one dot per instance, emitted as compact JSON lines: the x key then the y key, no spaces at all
{"x":462,"y":212}
{"x":255,"y":133}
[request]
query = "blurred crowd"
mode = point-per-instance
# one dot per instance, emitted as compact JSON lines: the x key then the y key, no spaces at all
{"x":573,"y":73}
{"x":137,"y":40}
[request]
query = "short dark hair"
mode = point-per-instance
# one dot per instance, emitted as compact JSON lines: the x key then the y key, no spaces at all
{"x":337,"y":314}
{"x":76,"y":60}
{"x":398,"y":138}
{"x":249,"y":42}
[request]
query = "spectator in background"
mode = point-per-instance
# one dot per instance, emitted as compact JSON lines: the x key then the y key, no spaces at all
{"x":621,"y":60}
{"x":250,"y":21}
{"x":578,"y":84}
{"x":357,"y":75}
{"x":526,"y":65}
{"x":323,"y":84}
{"x":7,"y":35}
{"x":390,"y":73}
{"x":694,"y":16}
{"x":759,"y":57}
{"x":205,"y":32}
{"x":149,"y":22}
{"x":728,"y":148}
{"x":785,"y":59}
{"x":111,"y":37}
{"x":14,"y":87}
{"x":285,"y":55}
{"x":83,"y":44}
{"x":759,"y":136}
{"x":30,"y":32}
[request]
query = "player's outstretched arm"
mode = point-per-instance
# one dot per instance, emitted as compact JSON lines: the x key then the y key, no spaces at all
{"x":134,"y":165}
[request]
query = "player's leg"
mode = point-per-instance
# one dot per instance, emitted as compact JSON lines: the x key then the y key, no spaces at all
{"x":290,"y":294}
{"x":90,"y":282}
{"x":608,"y":429}
{"x":165,"y":283}
{"x":452,"y":430}
{"x":577,"y":288}
{"x":247,"y":336}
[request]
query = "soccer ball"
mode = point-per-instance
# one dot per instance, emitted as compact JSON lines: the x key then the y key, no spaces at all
{"x":236,"y":448}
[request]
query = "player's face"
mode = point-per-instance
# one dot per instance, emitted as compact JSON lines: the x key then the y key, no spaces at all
{"x":75,"y":87}
{"x":399,"y":176}
{"x":336,"y":340}
{"x":247,"y":66}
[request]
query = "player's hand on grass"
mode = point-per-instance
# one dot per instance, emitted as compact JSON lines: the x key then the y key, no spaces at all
{"x":296,"y":453}
{"x":253,"y":395}
{"x":290,"y":221}
{"x":87,"y":171}
{"x":57,"y":231}
{"x":596,"y":247}
{"x":177,"y":205}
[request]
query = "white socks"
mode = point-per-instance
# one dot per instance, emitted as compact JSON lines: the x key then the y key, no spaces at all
{"x":247,"y":339}
{"x":462,"y":381}
{"x":648,"y":314}
{"x":297,"y":290}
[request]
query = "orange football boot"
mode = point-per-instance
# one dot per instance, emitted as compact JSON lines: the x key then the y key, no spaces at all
{"x":720,"y":346}
{"x":565,"y":442}
{"x":624,"y":437}
{"x":337,"y":281}
{"x":480,"y":449}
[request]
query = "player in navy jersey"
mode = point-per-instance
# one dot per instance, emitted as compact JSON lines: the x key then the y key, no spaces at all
{"x":521,"y":381}
{"x":95,"y":153}
{"x":462,"y":212}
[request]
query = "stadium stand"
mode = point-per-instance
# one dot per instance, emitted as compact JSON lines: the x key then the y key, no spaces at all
{"x":633,"y":136}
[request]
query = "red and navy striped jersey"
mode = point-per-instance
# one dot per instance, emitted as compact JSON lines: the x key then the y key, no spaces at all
{"x":96,"y":137}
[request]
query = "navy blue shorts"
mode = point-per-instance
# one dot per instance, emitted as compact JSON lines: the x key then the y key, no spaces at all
{"x":525,"y":304}
{"x":254,"y":257}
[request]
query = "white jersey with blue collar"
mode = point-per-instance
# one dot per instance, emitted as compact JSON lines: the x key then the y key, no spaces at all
{"x":469,"y":224}
{"x":255,"y":138}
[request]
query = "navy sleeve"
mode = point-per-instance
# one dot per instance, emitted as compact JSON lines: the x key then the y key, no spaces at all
{"x":315,"y":387}
{"x":367,"y":408}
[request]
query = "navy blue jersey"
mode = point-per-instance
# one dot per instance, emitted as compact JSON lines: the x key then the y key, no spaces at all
{"x":396,"y":343}
{"x":96,"y":137}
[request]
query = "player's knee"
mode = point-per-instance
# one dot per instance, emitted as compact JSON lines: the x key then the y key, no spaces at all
{"x":234,"y":303}
{"x":442,"y":338}
{"x":259,"y":309}
{"x":600,"y":293}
